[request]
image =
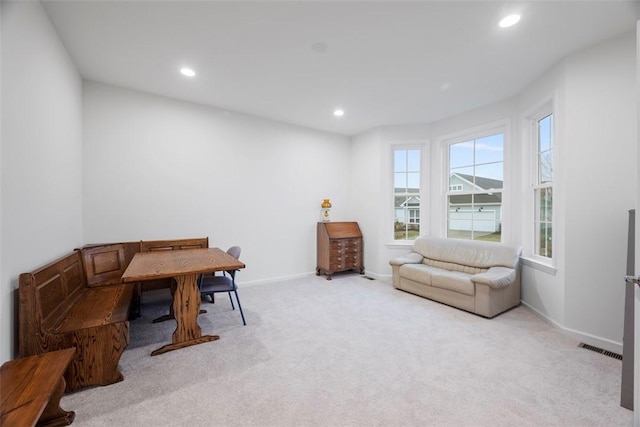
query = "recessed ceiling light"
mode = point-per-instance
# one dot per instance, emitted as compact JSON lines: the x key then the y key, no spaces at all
{"x":509,"y":20}
{"x":187,"y":72}
{"x":338,"y":112}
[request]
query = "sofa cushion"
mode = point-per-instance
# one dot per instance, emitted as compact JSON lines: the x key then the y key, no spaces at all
{"x":420,"y":273}
{"x":454,"y":281}
{"x":467,"y":252}
{"x":453,"y":267}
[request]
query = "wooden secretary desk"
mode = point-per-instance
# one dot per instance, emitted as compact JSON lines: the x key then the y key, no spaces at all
{"x":339,"y":248}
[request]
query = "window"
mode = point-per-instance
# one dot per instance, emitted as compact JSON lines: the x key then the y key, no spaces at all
{"x":543,"y":187}
{"x":406,"y":192}
{"x":475,"y":185}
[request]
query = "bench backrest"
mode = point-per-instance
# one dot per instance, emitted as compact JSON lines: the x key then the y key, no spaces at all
{"x":45,"y":296}
{"x":168,"y":245}
{"x":105,"y":263}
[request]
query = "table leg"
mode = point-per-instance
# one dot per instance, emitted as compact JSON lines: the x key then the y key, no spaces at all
{"x":170,"y":316}
{"x":186,"y":307}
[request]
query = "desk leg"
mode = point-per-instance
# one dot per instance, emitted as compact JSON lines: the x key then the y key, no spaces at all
{"x":186,"y":307}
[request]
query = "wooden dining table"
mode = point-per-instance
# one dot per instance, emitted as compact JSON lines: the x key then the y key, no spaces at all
{"x":184,"y":266}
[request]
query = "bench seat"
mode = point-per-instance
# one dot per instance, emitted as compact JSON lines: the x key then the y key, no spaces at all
{"x":97,"y":307}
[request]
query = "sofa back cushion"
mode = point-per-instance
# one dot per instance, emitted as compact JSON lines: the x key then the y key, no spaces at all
{"x":470,"y":253}
{"x":453,"y":266}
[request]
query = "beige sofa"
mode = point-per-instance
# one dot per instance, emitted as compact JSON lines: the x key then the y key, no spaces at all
{"x":480,"y":277}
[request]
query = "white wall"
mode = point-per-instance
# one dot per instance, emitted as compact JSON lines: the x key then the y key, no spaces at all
{"x":365,"y":172}
{"x":369,"y":200}
{"x":596,"y":148}
{"x":601,"y":142}
{"x":158,"y":168}
{"x":41,"y":174}
{"x":543,"y":290}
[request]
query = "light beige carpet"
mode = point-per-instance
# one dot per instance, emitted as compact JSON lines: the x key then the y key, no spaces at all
{"x":354,"y":352}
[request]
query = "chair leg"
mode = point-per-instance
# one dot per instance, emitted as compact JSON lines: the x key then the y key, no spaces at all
{"x":240,"y":307}
{"x":138,"y":309}
{"x":231,"y":299}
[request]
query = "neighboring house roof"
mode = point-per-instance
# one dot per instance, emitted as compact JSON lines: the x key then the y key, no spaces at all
{"x":481,"y":182}
{"x":409,"y":202}
{"x":412,"y":201}
{"x":401,"y":203}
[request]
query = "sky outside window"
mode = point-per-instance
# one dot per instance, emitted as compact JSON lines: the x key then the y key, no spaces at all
{"x":482,"y":157}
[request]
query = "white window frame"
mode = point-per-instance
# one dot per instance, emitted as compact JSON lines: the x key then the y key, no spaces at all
{"x":499,"y":127}
{"x":536,"y":185}
{"x":528,"y":135}
{"x":423,"y":194}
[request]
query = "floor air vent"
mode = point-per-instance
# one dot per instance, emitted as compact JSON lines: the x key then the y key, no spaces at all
{"x":600,"y":350}
{"x":368,"y":278}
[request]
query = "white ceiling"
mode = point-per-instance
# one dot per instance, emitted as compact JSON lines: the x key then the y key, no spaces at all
{"x":383,"y":62}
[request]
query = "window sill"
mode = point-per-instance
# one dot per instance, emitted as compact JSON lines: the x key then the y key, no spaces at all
{"x":539,"y":265}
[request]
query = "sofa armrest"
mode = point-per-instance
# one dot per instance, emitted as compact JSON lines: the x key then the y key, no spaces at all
{"x":496,"y":277}
{"x":412,"y":258}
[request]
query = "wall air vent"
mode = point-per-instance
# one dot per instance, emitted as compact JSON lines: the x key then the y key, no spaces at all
{"x":600,"y":350}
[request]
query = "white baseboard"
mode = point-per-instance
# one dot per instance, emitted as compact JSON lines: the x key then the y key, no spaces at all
{"x":606,"y":344}
{"x":301,"y":275}
{"x":376,"y":275}
{"x":275,"y":279}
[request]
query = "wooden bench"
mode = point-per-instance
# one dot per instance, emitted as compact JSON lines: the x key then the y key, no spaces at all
{"x":79,"y":301}
{"x":31,"y":390}
{"x":58,"y":310}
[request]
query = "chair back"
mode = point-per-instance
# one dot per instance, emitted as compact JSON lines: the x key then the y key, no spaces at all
{"x":234,"y":251}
